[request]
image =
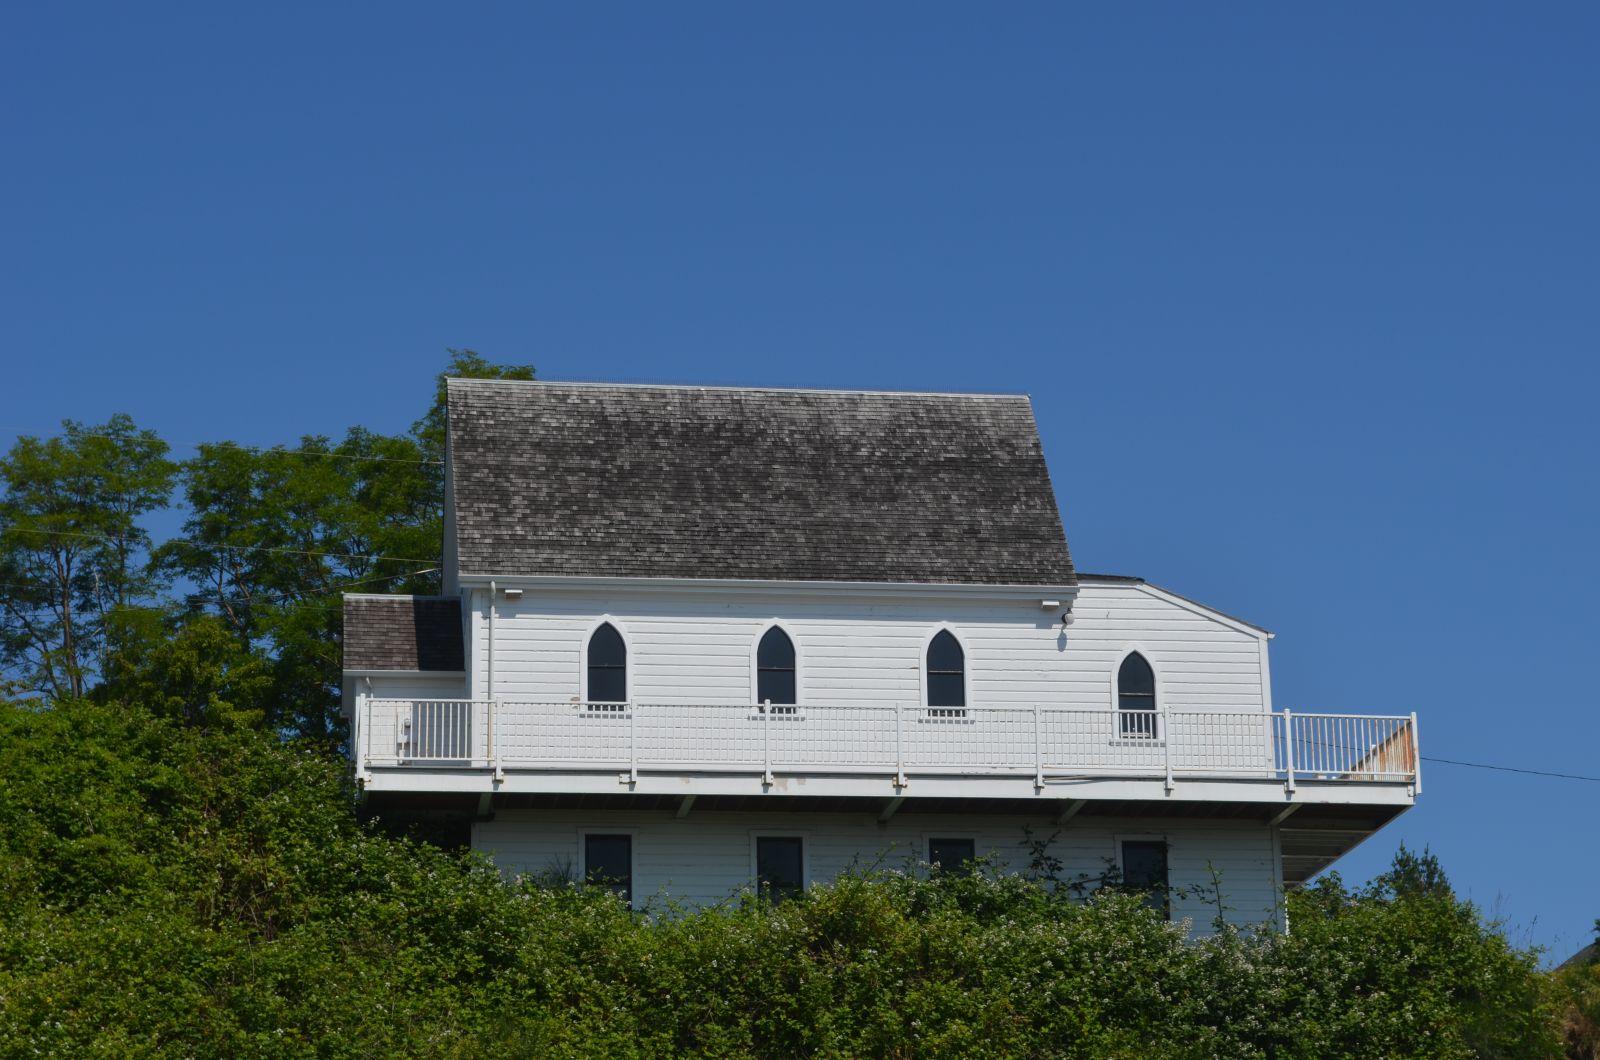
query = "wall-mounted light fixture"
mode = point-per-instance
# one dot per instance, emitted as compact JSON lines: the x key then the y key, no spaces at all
{"x":512,"y":594}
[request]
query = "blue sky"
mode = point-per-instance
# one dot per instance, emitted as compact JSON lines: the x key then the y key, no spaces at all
{"x":1306,"y":297}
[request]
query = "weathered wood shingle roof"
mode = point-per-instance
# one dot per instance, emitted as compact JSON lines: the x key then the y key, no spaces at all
{"x":402,"y":633}
{"x":792,"y":485}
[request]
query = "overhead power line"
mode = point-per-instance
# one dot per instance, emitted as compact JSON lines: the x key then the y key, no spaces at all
{"x":216,"y":599}
{"x":258,"y":449}
{"x":1511,"y":769}
{"x":224,"y":546}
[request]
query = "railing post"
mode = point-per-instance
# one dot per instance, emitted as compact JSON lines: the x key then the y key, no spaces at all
{"x":1288,"y":748}
{"x":1038,"y":752}
{"x":1166,"y":741}
{"x":899,"y":751}
{"x":364,"y":736}
{"x":1416,"y":758}
{"x":766,"y":745}
{"x":494,"y":744}
{"x":633,"y":743}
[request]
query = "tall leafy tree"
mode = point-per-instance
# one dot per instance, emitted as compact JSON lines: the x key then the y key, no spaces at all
{"x":73,"y":552}
{"x":273,"y":538}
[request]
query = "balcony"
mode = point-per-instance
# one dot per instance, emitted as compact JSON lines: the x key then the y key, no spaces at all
{"x":511,"y":746}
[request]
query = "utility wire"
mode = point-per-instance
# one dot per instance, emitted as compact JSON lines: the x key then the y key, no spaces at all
{"x":216,"y":600}
{"x":223,"y":546}
{"x":257,"y":449}
{"x":1511,"y":769}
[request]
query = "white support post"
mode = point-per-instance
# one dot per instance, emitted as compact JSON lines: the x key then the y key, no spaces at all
{"x":1288,"y":749}
{"x":1038,"y":753}
{"x":633,"y":743}
{"x":1416,"y":758}
{"x":364,"y":733}
{"x":494,"y":744}
{"x":900,"y":780}
{"x":1166,"y":743}
{"x":766,"y":745}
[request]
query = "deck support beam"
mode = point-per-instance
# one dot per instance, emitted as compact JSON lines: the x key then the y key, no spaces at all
{"x":890,"y":808}
{"x":684,"y":807}
{"x":1284,"y":814}
{"x":1070,"y":810}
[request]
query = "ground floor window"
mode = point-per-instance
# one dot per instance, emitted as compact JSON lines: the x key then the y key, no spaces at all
{"x":779,"y":866}
{"x":608,"y":862}
{"x":1144,"y":868}
{"x":951,"y":855}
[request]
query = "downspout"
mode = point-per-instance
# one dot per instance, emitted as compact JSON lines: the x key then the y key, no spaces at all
{"x":489,"y":678}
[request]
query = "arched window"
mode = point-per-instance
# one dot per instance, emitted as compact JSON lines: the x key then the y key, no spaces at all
{"x":775,"y":681}
{"x":947,"y":676}
{"x":608,"y":666}
{"x":1136,"y":698}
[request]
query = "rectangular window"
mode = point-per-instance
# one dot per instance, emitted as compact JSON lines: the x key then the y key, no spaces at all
{"x":952,"y":855}
{"x":608,"y":862}
{"x":1144,"y":868}
{"x":779,"y":866}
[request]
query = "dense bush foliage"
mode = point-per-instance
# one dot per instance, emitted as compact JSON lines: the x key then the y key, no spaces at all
{"x":167,"y":890}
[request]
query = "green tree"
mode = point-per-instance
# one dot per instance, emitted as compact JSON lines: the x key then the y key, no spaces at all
{"x":72,"y":551}
{"x":273,"y":537}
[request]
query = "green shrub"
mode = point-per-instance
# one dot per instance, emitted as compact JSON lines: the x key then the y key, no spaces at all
{"x":167,"y":891}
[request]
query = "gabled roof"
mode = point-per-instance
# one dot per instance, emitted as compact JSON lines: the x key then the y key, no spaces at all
{"x":790,"y":485}
{"x":403,"y":633}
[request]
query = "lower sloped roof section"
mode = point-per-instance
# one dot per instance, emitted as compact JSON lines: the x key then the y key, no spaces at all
{"x":421,"y":633}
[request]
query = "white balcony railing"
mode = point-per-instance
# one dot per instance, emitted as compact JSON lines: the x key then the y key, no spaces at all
{"x":885,"y":740}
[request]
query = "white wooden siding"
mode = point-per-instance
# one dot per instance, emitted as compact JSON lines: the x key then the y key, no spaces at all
{"x":707,"y":856}
{"x":696,"y":648}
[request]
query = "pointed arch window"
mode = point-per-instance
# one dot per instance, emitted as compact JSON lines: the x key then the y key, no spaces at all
{"x":608,"y":666}
{"x":775,"y":671}
{"x":947,"y":677}
{"x":1136,"y":698}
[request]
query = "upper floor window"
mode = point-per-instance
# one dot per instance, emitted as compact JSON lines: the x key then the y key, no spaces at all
{"x":775,"y":681}
{"x":1136,"y":698}
{"x":947,"y":676}
{"x":608,"y":666}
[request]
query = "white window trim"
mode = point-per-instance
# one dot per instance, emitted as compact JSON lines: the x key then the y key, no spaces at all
{"x":966,"y":675}
{"x":627,"y":656}
{"x":799,"y":703}
{"x":781,"y":833}
{"x":633,"y":857}
{"x":1117,"y":739}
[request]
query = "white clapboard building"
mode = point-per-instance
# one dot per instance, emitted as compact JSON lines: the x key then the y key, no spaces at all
{"x":698,"y":639}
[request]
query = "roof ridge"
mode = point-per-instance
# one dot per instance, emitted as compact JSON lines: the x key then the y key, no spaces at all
{"x":602,"y":385}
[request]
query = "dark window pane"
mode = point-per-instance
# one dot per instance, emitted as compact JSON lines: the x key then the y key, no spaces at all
{"x":608,"y":862}
{"x":946,"y":690}
{"x":1144,"y":868}
{"x":608,"y":666}
{"x":1136,"y":677}
{"x":776,"y":651}
{"x":775,"y":686}
{"x":944,"y":653}
{"x":606,"y":647}
{"x":778,"y":866}
{"x":951,"y":855}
